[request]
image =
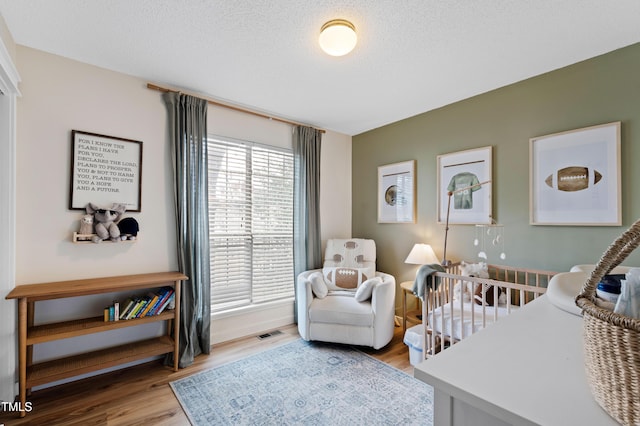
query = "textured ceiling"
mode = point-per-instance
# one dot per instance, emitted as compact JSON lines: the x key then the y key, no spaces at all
{"x":412,"y":55}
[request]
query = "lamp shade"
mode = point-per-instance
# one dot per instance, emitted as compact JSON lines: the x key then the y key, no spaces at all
{"x":422,"y":254}
{"x":338,"y":37}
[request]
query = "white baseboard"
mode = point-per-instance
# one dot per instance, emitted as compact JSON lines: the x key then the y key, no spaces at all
{"x":231,"y":327}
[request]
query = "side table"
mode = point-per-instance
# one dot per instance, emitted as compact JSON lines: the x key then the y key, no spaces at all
{"x":413,"y":316}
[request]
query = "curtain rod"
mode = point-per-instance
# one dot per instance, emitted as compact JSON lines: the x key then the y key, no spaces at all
{"x":233,"y":107}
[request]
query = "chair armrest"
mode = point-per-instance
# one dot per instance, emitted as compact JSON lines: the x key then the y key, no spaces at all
{"x":383,"y":304}
{"x":383,"y":298}
{"x":304,"y":297}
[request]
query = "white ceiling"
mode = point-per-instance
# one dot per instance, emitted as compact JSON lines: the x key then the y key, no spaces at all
{"x":412,"y":55}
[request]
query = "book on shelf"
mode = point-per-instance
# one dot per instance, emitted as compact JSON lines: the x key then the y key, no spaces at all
{"x":153,"y":298}
{"x":127,"y":307}
{"x":166,"y":303}
{"x":153,"y":303}
{"x":161,"y":295}
{"x":139,"y":304}
{"x":166,"y":294}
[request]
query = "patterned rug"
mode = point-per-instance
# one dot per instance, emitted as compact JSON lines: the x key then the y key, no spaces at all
{"x":305,"y":383}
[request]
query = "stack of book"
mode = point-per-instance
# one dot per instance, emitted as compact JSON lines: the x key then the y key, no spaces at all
{"x":153,"y":303}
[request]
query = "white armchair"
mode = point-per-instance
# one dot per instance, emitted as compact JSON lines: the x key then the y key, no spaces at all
{"x":347,"y":301}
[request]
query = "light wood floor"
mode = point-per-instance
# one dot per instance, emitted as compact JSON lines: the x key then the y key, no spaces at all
{"x":141,"y":395}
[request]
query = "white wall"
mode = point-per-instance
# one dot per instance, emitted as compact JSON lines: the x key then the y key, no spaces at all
{"x":60,"y":95}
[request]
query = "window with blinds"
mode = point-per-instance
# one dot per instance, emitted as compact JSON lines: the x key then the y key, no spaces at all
{"x":250,"y":222}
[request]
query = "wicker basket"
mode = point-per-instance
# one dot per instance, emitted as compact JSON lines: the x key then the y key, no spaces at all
{"x":612,"y":341}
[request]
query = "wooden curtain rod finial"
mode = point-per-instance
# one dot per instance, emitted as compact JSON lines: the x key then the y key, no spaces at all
{"x":160,"y":89}
{"x":233,"y":107}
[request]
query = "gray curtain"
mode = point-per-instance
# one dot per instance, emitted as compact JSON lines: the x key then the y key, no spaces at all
{"x":307,"y":245}
{"x":188,"y":138}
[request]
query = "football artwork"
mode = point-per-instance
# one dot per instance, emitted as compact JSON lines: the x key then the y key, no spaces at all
{"x":574,"y":178}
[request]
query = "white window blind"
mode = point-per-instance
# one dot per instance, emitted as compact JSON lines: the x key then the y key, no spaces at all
{"x":250,"y":222}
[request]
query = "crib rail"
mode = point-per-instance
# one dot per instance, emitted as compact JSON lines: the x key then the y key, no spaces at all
{"x":449,"y":317}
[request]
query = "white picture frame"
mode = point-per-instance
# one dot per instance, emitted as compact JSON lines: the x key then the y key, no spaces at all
{"x":575,"y":177}
{"x":397,"y":193}
{"x":467,"y":174}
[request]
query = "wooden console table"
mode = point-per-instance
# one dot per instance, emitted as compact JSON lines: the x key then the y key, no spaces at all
{"x":30,"y":334}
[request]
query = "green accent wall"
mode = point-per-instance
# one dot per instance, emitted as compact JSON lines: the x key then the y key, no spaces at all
{"x":600,"y":90}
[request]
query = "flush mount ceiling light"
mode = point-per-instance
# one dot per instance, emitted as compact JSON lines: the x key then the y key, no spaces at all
{"x":338,"y":37}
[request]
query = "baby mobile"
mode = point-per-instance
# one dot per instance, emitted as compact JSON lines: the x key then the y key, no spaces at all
{"x":489,"y":235}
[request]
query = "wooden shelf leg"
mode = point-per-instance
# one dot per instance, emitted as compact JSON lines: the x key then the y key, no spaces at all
{"x":404,"y":311}
{"x":22,"y":353}
{"x":31,"y":312}
{"x":176,"y":326}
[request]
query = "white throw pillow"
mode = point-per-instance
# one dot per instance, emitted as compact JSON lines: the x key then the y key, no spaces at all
{"x":318,"y":286}
{"x":365,"y":290}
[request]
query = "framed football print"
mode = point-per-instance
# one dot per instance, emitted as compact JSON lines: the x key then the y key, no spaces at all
{"x":575,"y":177}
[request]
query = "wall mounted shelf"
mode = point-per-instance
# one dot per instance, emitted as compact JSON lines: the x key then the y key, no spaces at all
{"x":86,"y":238}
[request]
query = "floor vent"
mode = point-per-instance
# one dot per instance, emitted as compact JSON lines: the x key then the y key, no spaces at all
{"x":267,"y":335}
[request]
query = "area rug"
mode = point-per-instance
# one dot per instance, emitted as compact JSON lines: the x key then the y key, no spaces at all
{"x":305,"y":383}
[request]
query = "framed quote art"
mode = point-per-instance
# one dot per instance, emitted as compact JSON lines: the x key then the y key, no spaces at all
{"x":105,"y":170}
{"x":575,"y":177}
{"x":464,"y":187}
{"x":396,"y":193}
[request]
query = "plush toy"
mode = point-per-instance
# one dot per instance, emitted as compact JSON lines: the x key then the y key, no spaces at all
{"x":86,"y":228}
{"x":129,"y":228}
{"x":469,"y":290}
{"x":479,"y":270}
{"x":105,"y":222}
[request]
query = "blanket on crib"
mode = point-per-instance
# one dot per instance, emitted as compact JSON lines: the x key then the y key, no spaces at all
{"x":424,"y":279}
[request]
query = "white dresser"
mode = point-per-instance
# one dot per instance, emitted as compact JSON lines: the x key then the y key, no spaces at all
{"x":527,"y":369}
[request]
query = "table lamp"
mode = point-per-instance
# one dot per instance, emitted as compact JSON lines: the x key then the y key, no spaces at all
{"x":422,"y":254}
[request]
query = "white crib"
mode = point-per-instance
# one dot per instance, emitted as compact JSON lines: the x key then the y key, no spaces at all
{"x":447,"y":320}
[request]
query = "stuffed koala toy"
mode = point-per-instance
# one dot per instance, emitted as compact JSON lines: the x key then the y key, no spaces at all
{"x":105,"y":221}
